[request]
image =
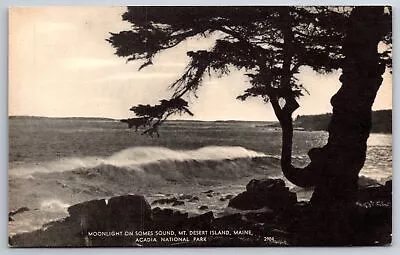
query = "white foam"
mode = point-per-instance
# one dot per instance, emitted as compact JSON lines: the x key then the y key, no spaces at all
{"x":53,"y":205}
{"x":61,"y":165}
{"x":137,"y":156}
{"x":146,"y":155}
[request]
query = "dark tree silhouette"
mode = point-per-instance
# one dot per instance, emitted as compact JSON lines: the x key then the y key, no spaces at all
{"x":162,"y":110}
{"x":271,"y":44}
{"x":341,"y":160}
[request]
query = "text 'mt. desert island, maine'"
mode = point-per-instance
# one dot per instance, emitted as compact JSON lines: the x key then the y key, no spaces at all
{"x":200,"y":126}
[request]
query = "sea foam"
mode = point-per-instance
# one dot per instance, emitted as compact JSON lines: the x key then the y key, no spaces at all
{"x":135,"y":157}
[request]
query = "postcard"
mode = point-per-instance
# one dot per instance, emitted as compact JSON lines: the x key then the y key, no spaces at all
{"x":200,"y":126}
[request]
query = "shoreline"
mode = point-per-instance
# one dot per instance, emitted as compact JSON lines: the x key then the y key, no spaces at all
{"x":279,"y":220}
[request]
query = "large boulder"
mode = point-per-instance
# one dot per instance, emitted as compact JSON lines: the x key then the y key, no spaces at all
{"x":271,"y":193}
{"x":202,"y":221}
{"x":364,"y":182}
{"x":90,"y":215}
{"x":129,"y":210}
{"x":376,"y":194}
{"x":119,"y":212}
{"x":388,"y":185}
{"x":265,"y":185}
{"x":168,"y":219}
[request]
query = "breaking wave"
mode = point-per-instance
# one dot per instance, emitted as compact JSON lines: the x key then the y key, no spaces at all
{"x":142,"y":169}
{"x":136,"y":157}
{"x":50,"y":187}
{"x":135,"y":170}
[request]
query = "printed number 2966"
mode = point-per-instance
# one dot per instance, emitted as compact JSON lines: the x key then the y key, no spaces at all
{"x":269,"y":239}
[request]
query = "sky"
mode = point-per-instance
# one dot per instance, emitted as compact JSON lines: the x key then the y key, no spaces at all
{"x":60,"y":65}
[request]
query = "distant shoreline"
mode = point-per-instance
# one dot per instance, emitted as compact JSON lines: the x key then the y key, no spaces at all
{"x":112,"y":119}
{"x":60,"y":118}
{"x":381,"y":121}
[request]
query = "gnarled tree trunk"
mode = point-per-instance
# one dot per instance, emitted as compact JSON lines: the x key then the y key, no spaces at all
{"x":334,"y":168}
{"x":350,"y":126}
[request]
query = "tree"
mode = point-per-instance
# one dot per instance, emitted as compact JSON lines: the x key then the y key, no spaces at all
{"x":163,"y":110}
{"x":344,"y":155}
{"x":271,"y":44}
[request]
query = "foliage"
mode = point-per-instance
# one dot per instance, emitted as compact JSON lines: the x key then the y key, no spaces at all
{"x":270,"y":43}
{"x":256,"y":39}
{"x":162,"y":110}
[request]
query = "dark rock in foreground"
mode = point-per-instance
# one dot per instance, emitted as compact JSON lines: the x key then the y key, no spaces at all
{"x":271,"y":193}
{"x":122,"y":211}
{"x":173,"y":200}
{"x":135,"y":211}
{"x":130,"y":221}
{"x":193,"y":199}
{"x":185,"y":196}
{"x":203,"y":207}
{"x":178,"y":203}
{"x":382,"y":193}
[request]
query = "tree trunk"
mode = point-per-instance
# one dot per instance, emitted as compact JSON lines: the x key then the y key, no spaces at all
{"x":344,"y":155}
{"x":334,"y":168}
{"x":300,"y":177}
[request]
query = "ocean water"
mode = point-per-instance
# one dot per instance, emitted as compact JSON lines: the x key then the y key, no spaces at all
{"x":54,"y":163}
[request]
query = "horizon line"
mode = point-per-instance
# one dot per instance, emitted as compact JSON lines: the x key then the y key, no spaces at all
{"x":111,"y":118}
{"x":117,"y":119}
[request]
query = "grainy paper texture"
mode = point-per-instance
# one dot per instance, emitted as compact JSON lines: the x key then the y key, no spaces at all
{"x":200,"y":126}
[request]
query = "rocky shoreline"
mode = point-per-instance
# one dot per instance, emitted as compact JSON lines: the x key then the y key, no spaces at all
{"x":268,"y":214}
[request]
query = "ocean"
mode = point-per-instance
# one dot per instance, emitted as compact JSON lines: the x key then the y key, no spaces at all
{"x":58,"y":162}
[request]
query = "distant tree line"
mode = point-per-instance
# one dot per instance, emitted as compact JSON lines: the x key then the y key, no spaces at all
{"x":381,"y":121}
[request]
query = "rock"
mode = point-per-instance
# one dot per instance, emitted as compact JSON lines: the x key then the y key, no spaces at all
{"x":209,"y":195}
{"x":203,"y":207}
{"x":19,"y":210}
{"x":208,"y":191}
{"x":367,"y":223}
{"x":202,"y":221}
{"x":227,"y":197}
{"x":233,"y":222}
{"x":382,"y":193}
{"x":173,"y":200}
{"x":91,"y":215}
{"x":184,"y":196}
{"x":260,"y":217}
{"x":265,"y":185}
{"x":364,"y":181}
{"x":180,"y":214}
{"x":177,"y":203}
{"x":246,"y":201}
{"x":168,"y":219}
{"x":227,"y":221}
{"x":87,"y":208}
{"x":163,"y":201}
{"x":271,"y":193}
{"x":388,"y":185}
{"x":158,"y":212}
{"x":193,"y":199}
{"x":123,"y":211}
{"x":10,"y":218}
{"x":129,"y":209}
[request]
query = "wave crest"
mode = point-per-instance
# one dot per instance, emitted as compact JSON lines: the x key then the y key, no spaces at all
{"x":136,"y":157}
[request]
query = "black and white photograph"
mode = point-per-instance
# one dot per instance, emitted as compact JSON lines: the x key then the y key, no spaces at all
{"x":199,"y":126}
